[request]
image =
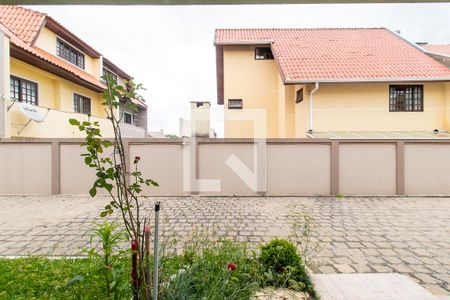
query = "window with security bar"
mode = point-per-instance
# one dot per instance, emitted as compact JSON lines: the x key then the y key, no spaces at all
{"x":69,"y":53}
{"x":23,"y":90}
{"x":81,"y":104}
{"x":406,"y":98}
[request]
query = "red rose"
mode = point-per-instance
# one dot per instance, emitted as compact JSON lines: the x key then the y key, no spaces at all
{"x":136,"y":159}
{"x":231,"y":266}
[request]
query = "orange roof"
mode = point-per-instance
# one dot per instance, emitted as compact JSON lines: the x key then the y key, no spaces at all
{"x":340,"y":54}
{"x":23,"y":25}
{"x":438,"y":49}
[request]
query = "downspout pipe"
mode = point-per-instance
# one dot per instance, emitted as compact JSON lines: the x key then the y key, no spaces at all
{"x":316,"y":88}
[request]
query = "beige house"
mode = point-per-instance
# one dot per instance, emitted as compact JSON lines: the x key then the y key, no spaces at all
{"x":327,"y":82}
{"x":48,"y":71}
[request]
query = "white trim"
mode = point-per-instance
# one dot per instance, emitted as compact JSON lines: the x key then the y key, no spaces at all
{"x":385,"y":80}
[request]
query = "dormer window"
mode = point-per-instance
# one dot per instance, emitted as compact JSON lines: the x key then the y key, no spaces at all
{"x":69,"y":53}
{"x":263,"y":53}
{"x":109,"y":73}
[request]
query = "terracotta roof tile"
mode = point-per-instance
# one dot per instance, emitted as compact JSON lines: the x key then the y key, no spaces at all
{"x":439,"y":49}
{"x":340,"y":54}
{"x":22,"y":25}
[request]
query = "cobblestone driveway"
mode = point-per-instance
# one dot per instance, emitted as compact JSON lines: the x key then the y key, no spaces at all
{"x":410,"y":236}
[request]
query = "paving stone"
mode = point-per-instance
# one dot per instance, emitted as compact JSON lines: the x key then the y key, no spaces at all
{"x":344,"y":268}
{"x":381,"y":268}
{"x":387,"y":252}
{"x":435,"y":289}
{"x":426,"y":278}
{"x":401,"y":268}
{"x":410,"y":260}
{"x":405,"y":235}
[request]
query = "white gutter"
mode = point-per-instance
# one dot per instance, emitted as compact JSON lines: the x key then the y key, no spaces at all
{"x":316,"y":88}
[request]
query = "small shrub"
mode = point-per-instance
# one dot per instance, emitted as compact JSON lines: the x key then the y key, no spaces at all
{"x":278,"y":255}
{"x":282,"y":266}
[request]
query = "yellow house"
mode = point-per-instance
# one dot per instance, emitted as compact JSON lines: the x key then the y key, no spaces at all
{"x":46,"y":69}
{"x":293,"y":83}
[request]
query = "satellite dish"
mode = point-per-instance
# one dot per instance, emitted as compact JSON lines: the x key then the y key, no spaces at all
{"x":33,"y":112}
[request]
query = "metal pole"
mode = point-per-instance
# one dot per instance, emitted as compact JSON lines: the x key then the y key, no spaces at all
{"x":156,"y":253}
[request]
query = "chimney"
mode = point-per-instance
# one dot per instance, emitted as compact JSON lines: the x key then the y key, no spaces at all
{"x":200,"y":120}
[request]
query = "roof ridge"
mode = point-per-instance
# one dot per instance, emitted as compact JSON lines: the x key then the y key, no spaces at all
{"x":437,"y":44}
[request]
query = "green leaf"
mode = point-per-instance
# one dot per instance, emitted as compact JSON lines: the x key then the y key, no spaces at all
{"x":87,"y":160}
{"x":108,"y":187}
{"x":103,"y":214}
{"x":74,"y":122}
{"x":93,"y":192}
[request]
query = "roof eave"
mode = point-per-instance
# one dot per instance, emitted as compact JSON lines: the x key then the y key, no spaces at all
{"x":244,"y":43}
{"x":366,"y":80}
{"x":64,"y":33}
{"x":32,"y":59}
{"x":110,"y":65}
{"x":437,"y":54}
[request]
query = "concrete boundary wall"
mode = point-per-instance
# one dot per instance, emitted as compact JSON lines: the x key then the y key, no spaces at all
{"x":302,"y":167}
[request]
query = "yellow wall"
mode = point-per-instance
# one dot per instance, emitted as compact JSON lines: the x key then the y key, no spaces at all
{"x":447,"y":106}
{"x":336,"y":107}
{"x":254,"y":81}
{"x":47,"y":41}
{"x":54,"y":93}
{"x":361,"y":107}
{"x":4,"y":88}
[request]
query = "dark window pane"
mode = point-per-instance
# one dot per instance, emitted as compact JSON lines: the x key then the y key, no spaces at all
{"x":127,"y":118}
{"x":235,"y":103}
{"x":81,"y":104}
{"x":406,"y":98}
{"x":69,"y":53}
{"x":263,"y":53}
{"x":23,"y":90}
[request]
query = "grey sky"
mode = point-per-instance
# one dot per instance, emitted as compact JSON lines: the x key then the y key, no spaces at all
{"x":170,"y":48}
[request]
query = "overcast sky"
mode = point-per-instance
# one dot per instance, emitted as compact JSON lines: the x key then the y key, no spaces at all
{"x":169,"y":49}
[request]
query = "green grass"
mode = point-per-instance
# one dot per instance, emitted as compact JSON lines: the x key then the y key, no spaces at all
{"x":41,"y":278}
{"x":199,"y":273}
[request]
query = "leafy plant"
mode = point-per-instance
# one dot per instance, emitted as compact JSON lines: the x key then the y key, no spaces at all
{"x":109,"y":235}
{"x":113,"y":174}
{"x":303,"y":232}
{"x":222,"y":270}
{"x":279,"y":254}
{"x":283,"y":267}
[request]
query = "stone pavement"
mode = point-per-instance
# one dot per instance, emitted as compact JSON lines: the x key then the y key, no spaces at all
{"x":410,"y":236}
{"x":373,"y":286}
